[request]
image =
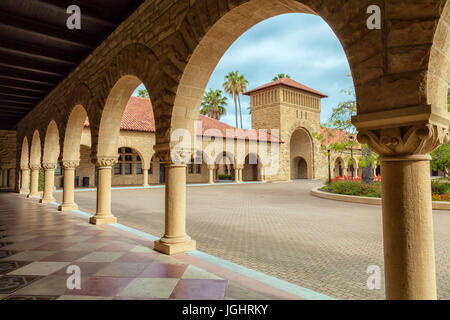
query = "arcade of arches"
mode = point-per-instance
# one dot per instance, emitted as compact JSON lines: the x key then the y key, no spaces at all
{"x":400,"y":74}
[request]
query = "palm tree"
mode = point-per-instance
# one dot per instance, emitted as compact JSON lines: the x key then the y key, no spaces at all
{"x":143,"y":93}
{"x":234,"y":85}
{"x":281,"y":76}
{"x":213,"y":104}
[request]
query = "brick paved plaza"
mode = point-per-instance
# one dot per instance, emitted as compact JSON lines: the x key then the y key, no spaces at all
{"x":281,"y":230}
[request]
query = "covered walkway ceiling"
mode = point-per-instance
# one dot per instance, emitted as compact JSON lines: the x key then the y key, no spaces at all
{"x":37,"y":50}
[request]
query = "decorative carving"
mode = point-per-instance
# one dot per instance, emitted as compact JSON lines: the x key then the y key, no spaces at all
{"x":418,"y":139}
{"x":24,"y":168}
{"x":106,"y":162}
{"x":35,"y":166}
{"x":174,"y":155}
{"x":70,"y":164}
{"x":49,"y":166}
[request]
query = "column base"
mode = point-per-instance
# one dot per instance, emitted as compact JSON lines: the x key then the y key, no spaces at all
{"x":146,"y":186}
{"x":68,"y":207}
{"x":102,"y":219}
{"x":174,"y":248}
{"x":47,"y":200}
{"x":34,"y":195}
{"x":24,"y":192}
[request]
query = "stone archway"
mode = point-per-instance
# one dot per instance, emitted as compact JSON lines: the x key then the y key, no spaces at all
{"x":25,"y":167}
{"x":250,"y":171}
{"x":299,"y":168}
{"x":224,"y":164}
{"x":339,"y":166}
{"x":301,"y":153}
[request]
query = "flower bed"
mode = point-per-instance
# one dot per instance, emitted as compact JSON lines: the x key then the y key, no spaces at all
{"x":354,"y":187}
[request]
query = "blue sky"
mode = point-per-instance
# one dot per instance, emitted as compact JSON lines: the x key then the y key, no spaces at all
{"x":302,"y":45}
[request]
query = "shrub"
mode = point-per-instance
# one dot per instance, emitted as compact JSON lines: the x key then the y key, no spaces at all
{"x":225,"y":177}
{"x":354,"y":188}
{"x":440,"y":188}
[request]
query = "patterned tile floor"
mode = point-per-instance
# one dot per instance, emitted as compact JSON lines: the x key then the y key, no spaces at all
{"x":38,"y":246}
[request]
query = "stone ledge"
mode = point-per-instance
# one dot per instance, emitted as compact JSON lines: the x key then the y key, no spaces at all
{"x":437,"y":205}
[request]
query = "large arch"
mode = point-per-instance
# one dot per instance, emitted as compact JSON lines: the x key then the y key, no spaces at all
{"x":25,"y":154}
{"x":301,"y":145}
{"x":73,"y":133}
{"x":211,"y":44}
{"x":51,"y":143}
{"x":35,"y":150}
{"x":112,"y":114}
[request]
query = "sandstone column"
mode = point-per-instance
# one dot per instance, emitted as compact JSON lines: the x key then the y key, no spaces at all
{"x":69,"y":185}
{"x":4,"y":178}
{"x":49,"y":182}
{"x":211,"y":169}
{"x":34,"y":188}
{"x":407,"y":207}
{"x":103,"y":213}
{"x":175,"y":239}
{"x":236,"y":174}
{"x":25,"y":181}
{"x":145,"y":173}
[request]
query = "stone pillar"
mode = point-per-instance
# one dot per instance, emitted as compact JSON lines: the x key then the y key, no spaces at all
{"x":408,"y":228}
{"x":25,"y":181}
{"x":69,"y":185}
{"x":4,"y":182}
{"x":236,"y":175}
{"x":407,"y":207}
{"x":103,"y":213}
{"x":34,"y":187}
{"x":175,"y":239}
{"x":211,"y":169}
{"x":49,"y":182}
{"x":145,"y":173}
{"x":261,"y":170}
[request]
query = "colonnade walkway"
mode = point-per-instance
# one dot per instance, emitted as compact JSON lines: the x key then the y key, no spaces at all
{"x":38,"y":244}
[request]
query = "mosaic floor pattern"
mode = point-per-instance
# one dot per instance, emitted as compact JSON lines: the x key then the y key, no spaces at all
{"x":40,"y":246}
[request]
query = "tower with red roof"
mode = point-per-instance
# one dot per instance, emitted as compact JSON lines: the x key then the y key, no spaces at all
{"x":291,"y":111}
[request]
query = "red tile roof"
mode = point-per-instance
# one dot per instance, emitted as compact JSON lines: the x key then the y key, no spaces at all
{"x":138,"y":116}
{"x":331,"y":135}
{"x":289,"y":83}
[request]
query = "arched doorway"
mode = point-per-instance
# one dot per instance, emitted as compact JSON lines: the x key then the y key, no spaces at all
{"x":250,"y":170}
{"x":301,"y":154}
{"x":299,"y":168}
{"x":339,"y":167}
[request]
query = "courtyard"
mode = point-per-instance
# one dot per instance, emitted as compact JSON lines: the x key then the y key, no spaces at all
{"x":281,"y":230}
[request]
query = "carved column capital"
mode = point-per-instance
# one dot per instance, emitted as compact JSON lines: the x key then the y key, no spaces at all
{"x":35,"y":166}
{"x":49,"y":166}
{"x":172,"y":155}
{"x":104,"y":161}
{"x":24,"y":168}
{"x":412,"y":141}
{"x":211,"y":167}
{"x":70,"y":164}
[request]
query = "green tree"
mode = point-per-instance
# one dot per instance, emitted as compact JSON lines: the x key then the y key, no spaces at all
{"x":341,"y":119}
{"x":441,"y":159}
{"x":281,"y":76}
{"x":143,"y":93}
{"x":214,"y":104}
{"x":234,"y":85}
